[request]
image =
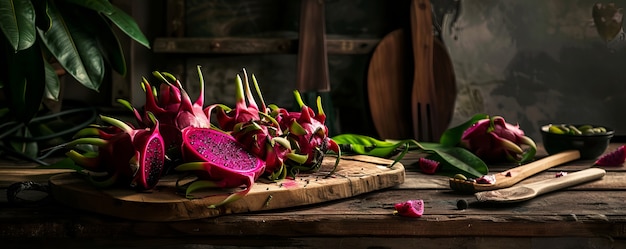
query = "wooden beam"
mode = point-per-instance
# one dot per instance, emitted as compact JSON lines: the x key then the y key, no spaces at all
{"x":234,"y":45}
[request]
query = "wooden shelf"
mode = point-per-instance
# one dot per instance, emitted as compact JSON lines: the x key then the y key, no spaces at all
{"x":235,"y":45}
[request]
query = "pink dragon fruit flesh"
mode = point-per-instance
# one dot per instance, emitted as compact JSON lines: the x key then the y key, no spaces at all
{"x":129,"y":156}
{"x":410,"y":208}
{"x":494,"y":140}
{"x":219,"y":161}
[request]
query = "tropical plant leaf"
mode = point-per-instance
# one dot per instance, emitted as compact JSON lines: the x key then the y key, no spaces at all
{"x":365,"y":145}
{"x":128,"y":25}
{"x":17,"y":21}
{"x":29,"y":149}
{"x":456,"y":160}
{"x":62,"y":46}
{"x":452,"y":136}
{"x":24,"y":81}
{"x":110,"y":46}
{"x":53,"y":84}
{"x":100,"y":6}
{"x":83,"y":34}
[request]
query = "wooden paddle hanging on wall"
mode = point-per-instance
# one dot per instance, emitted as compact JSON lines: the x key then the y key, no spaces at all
{"x":396,"y":73}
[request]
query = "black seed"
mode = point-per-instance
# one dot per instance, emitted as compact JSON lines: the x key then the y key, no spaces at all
{"x":461,"y":204}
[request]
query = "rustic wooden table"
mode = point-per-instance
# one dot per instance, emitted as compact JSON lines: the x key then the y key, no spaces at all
{"x":591,"y":215}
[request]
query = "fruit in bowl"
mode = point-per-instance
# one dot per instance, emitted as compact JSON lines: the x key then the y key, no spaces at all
{"x":591,"y":140}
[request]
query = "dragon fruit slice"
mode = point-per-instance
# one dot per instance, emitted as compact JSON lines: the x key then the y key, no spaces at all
{"x":613,"y":158}
{"x":410,"y":208}
{"x":428,"y":166}
{"x":129,"y":156}
{"x":219,"y":161}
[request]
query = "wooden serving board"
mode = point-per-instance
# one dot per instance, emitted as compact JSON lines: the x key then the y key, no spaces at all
{"x":355,"y":175}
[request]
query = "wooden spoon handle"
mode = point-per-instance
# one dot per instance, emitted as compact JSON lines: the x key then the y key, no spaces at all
{"x":568,"y":180}
{"x":519,"y":173}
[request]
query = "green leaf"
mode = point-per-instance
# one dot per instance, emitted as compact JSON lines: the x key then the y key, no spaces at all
{"x":128,"y":26}
{"x":24,"y":81}
{"x":29,"y":149}
{"x":452,"y":136}
{"x":17,"y":21}
{"x":110,"y":46}
{"x":365,"y":145}
{"x":456,"y":160}
{"x":53,"y":84}
{"x":100,"y":6}
{"x":67,"y":51}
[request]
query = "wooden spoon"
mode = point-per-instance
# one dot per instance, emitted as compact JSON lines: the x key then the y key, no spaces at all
{"x":531,"y":190}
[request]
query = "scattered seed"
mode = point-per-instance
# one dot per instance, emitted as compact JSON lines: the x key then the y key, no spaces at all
{"x":462,"y":204}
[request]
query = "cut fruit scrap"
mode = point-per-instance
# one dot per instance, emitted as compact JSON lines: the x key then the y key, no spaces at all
{"x":428,"y":166}
{"x":410,"y":208}
{"x":219,"y":161}
{"x":613,"y":158}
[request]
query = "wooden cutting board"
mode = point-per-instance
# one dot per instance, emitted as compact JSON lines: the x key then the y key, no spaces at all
{"x":355,"y":175}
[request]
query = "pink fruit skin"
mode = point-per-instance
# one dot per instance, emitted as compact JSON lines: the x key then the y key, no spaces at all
{"x":428,"y":166}
{"x":484,"y":140}
{"x":410,"y":208}
{"x":613,"y":158}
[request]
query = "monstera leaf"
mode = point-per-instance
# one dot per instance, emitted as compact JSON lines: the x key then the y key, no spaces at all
{"x":77,"y":34}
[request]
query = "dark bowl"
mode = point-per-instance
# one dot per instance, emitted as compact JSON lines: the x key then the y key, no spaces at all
{"x":590,"y":146}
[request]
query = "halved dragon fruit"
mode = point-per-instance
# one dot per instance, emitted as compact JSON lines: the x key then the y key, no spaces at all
{"x":219,"y":161}
{"x":128,"y":156}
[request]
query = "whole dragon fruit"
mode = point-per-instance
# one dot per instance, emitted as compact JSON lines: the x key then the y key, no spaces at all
{"x":219,"y":161}
{"x":128,"y":156}
{"x":495,"y":140}
{"x":174,"y":109}
{"x":309,"y":134}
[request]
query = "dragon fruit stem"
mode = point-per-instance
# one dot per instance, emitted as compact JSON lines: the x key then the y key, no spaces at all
{"x":320,"y":110}
{"x":239,"y":95}
{"x":118,"y":123}
{"x":82,"y":160}
{"x":237,"y":195}
{"x":130,"y":107}
{"x":200,"y":100}
{"x":510,"y":146}
{"x":258,"y":93}
{"x":248,"y":93}
{"x":296,"y":94}
{"x":86,"y":140}
{"x":190,"y":166}
{"x":87,"y":132}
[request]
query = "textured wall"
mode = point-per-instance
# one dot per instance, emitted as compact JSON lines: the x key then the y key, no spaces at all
{"x":535,"y":62}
